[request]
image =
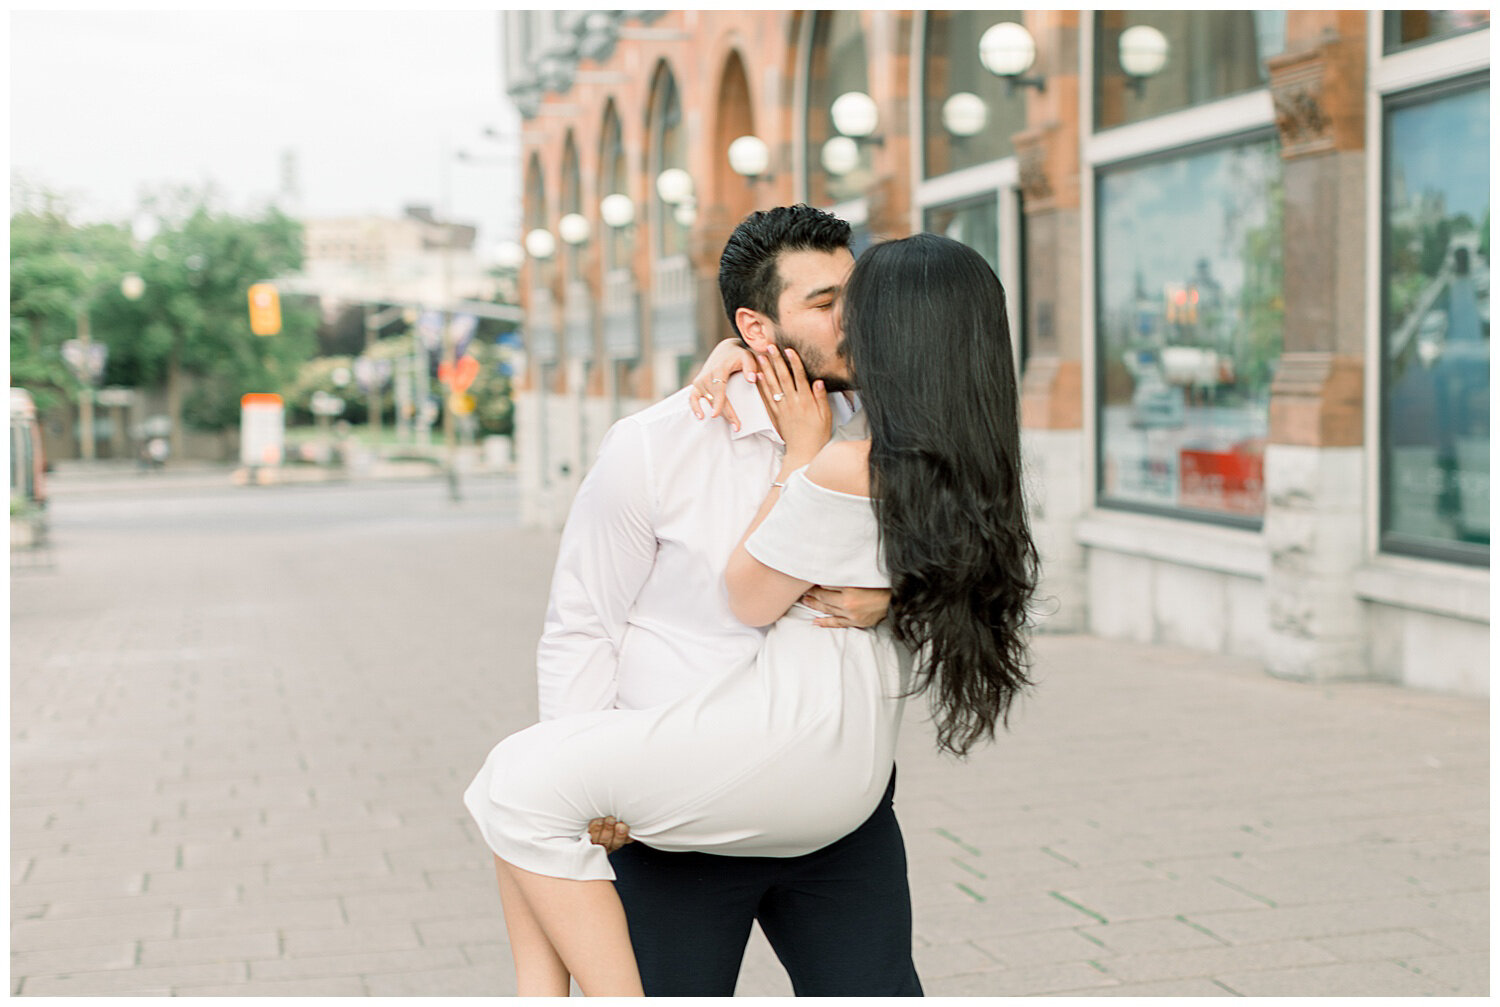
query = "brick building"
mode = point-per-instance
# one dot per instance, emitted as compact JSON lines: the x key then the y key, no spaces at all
{"x":1246,"y":252}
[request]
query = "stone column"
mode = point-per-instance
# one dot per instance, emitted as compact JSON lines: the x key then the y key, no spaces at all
{"x":1315,"y":457}
{"x":1052,"y":384}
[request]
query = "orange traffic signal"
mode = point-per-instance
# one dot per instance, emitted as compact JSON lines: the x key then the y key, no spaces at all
{"x":265,"y":310}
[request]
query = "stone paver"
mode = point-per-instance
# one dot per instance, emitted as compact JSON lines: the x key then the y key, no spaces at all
{"x":242,"y":719}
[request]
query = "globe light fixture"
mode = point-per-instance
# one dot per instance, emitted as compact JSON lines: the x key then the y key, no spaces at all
{"x":965,"y":114}
{"x":1143,"y":53}
{"x":509,"y":255}
{"x":132,"y":286}
{"x":540,"y":244}
{"x":574,"y":228}
{"x":617,"y":210}
{"x":1007,"y":50}
{"x":685,"y":213}
{"x":674,"y":186}
{"x":749,"y":156}
{"x":854,"y":114}
{"x":840,"y":155}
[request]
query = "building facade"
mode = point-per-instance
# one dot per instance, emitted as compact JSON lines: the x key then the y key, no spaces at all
{"x":1246,"y":255}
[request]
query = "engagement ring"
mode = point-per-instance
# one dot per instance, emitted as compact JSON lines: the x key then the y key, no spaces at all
{"x":717,"y":381}
{"x":777,"y":397}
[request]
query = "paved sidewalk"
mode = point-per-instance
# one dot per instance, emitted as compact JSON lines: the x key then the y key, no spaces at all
{"x":239,"y":736}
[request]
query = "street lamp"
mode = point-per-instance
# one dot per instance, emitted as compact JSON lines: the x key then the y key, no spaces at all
{"x":617,"y":210}
{"x":574,"y":228}
{"x":1007,"y":50}
{"x":674,"y":186}
{"x":540,"y":244}
{"x":509,"y":255}
{"x":854,"y":114}
{"x":965,"y":114}
{"x":1143,"y":53}
{"x":749,"y":156}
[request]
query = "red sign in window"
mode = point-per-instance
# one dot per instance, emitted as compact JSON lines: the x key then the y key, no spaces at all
{"x":1232,"y":481}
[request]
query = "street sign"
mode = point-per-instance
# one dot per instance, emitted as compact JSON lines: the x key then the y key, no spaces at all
{"x":460,"y":376}
{"x":460,"y":330}
{"x":265,"y":310}
{"x":86,"y":360}
{"x":262,"y":429}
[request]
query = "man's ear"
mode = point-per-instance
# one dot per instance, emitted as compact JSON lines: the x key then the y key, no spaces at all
{"x":755,"y":329}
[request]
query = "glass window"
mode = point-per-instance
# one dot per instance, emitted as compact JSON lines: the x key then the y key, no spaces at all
{"x":976,"y":222}
{"x":968,"y":113}
{"x":617,"y":240}
{"x":1435,"y":409}
{"x":1189,"y":327}
{"x":836,"y":67}
{"x":571,"y":202}
{"x":1412,"y":27}
{"x":669,"y":151}
{"x":1207,"y":55}
{"x":536,"y":218}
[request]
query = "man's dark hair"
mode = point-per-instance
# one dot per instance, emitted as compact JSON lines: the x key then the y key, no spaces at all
{"x":748,"y":276}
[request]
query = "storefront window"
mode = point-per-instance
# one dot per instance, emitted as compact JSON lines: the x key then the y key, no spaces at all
{"x":1405,"y":28}
{"x":669,"y":151}
{"x":1435,"y":412}
{"x":976,"y":223}
{"x":1189,"y":329}
{"x":969,"y":114}
{"x":836,"y":67}
{"x":1193,"y":57}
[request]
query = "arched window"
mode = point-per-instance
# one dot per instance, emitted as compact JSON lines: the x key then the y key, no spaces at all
{"x":968,"y":113}
{"x":836,"y":66}
{"x":670,"y":221}
{"x":537,"y":217}
{"x":571,"y":202}
{"x":614,"y":180}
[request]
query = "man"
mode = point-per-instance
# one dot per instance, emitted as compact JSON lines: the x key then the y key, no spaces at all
{"x":639,"y":616}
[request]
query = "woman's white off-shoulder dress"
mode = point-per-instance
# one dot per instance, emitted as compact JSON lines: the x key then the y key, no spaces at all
{"x":777,"y":758}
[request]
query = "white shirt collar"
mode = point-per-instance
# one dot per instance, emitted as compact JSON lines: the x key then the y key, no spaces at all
{"x":755,"y":420}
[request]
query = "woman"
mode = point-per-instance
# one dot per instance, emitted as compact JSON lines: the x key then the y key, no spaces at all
{"x":785,"y":756}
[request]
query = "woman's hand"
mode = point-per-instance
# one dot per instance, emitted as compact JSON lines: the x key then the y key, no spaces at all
{"x":729,"y":356}
{"x":798,"y":408}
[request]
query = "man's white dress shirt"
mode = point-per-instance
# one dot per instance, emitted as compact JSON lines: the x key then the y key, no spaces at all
{"x":639,"y":614}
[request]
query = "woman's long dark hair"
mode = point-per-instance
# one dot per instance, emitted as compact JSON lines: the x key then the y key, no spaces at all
{"x":929,"y":347}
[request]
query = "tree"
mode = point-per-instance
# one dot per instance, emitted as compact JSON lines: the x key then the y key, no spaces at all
{"x":193,"y":320}
{"x":57,"y":270}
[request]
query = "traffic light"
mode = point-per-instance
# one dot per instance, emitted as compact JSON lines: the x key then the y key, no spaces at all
{"x":265,"y":310}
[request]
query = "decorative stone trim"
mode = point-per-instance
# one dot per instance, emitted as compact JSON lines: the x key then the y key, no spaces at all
{"x":1317,"y":400}
{"x":1052,"y":394}
{"x":1318,"y":95}
{"x":1031,"y":163}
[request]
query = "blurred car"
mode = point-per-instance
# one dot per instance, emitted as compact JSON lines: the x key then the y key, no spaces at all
{"x":28,"y":464}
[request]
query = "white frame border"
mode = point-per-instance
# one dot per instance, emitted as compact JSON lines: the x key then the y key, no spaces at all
{"x":1387,"y":75}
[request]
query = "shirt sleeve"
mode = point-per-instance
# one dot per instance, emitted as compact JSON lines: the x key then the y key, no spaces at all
{"x":607,"y":550}
{"x":821,"y":536}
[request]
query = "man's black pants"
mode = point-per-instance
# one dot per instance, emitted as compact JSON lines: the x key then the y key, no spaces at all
{"x":839,"y":918}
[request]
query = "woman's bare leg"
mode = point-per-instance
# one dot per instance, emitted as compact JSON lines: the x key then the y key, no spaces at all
{"x":539,"y":971}
{"x":583,"y":925}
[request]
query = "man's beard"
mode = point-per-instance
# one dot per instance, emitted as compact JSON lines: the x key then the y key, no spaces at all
{"x":814,"y":362}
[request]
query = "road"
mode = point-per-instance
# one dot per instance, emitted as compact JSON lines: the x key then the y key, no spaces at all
{"x":242,"y":719}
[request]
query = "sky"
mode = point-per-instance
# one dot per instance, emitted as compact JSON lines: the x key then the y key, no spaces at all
{"x":105,"y":104}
